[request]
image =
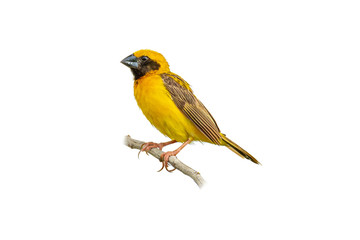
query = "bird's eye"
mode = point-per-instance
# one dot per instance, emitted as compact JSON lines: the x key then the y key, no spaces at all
{"x":144,"y":58}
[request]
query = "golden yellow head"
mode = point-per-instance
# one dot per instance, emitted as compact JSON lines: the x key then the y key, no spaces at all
{"x":156,"y":57}
{"x":144,"y":62}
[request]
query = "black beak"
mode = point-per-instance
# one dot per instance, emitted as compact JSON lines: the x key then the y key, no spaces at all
{"x":131,"y":61}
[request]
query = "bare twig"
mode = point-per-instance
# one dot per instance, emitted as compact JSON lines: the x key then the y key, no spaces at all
{"x":176,"y":163}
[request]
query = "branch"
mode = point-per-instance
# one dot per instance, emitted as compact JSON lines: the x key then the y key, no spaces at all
{"x":176,"y":163}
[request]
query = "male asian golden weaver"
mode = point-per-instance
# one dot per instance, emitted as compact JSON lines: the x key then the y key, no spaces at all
{"x":170,"y":105}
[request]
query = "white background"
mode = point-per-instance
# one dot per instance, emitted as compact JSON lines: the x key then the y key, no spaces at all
{"x":280,"y":77}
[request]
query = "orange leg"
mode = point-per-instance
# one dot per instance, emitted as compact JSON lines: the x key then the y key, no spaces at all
{"x":165,"y":156}
{"x":146,"y":147}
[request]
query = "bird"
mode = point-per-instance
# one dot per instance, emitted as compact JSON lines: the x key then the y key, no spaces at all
{"x":171,"y":106}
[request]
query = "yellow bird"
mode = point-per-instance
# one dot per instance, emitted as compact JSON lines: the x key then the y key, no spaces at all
{"x":170,"y":105}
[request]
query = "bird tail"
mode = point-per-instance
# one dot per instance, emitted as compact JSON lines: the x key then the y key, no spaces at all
{"x":238,"y":150}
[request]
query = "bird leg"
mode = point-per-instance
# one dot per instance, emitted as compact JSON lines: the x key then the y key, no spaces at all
{"x":166,"y":155}
{"x":146,"y":147}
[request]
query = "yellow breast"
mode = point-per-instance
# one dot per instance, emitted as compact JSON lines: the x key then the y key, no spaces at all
{"x":156,"y":104}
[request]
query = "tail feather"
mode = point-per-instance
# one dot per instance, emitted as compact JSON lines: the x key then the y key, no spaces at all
{"x":238,"y":150}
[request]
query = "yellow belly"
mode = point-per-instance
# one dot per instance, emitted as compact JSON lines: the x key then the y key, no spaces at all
{"x":156,"y":104}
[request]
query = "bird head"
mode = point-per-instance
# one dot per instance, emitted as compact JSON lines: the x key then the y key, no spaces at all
{"x":145,"y":62}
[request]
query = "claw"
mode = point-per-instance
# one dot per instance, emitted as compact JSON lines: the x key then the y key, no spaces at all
{"x":146,"y":147}
{"x":162,"y":167}
{"x":165,"y":163}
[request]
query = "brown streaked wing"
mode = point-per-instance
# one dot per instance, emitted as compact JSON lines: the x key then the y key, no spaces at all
{"x":193,"y":109}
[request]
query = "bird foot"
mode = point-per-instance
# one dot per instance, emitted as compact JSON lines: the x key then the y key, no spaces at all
{"x":146,"y":147}
{"x":165,"y":157}
{"x":149,"y":145}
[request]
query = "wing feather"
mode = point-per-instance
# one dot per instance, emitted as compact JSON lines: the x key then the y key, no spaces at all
{"x":193,"y":109}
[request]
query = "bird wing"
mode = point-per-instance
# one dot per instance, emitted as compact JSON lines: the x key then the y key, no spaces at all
{"x":189,"y":105}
